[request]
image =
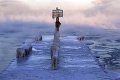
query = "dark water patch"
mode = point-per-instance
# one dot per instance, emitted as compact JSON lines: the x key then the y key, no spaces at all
{"x":116,"y":53}
{"x":118,"y":40}
{"x":92,"y":37}
{"x":113,"y":62}
{"x":4,"y":37}
{"x":100,"y":47}
{"x":108,"y":40}
{"x":117,"y":79}
{"x":2,"y":34}
{"x":103,"y":44}
{"x":109,"y":51}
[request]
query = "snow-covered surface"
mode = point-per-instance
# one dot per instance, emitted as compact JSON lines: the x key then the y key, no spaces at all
{"x":87,"y":42}
{"x":75,"y":63}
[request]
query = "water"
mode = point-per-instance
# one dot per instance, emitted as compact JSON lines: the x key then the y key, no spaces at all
{"x":26,"y":20}
{"x":108,"y":48}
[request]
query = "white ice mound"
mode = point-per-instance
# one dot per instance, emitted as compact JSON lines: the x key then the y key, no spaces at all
{"x":87,"y":42}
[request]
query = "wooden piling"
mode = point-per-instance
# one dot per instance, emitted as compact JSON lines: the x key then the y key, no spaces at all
{"x":26,"y":48}
{"x":55,"y":51}
{"x":23,"y":50}
{"x":38,"y":37}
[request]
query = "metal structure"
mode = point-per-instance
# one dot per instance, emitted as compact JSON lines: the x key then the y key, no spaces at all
{"x":57,"y":13}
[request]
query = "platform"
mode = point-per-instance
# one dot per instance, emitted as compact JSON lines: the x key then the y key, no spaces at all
{"x":75,"y":63}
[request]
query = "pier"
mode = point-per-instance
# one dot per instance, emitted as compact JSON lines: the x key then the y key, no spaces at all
{"x":75,"y":63}
{"x":55,"y":57}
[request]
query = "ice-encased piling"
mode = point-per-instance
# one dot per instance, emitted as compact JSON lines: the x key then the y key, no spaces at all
{"x":26,"y":48}
{"x":55,"y":48}
{"x":23,"y":50}
{"x":38,"y":37}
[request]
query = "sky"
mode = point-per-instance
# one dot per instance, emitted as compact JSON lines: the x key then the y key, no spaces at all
{"x":95,"y":13}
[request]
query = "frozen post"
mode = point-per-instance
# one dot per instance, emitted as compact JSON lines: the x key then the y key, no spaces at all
{"x":56,"y":14}
{"x":55,"y":46}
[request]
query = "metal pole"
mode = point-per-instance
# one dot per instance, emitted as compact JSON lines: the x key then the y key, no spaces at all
{"x":57,"y":23}
{"x":57,"y":19}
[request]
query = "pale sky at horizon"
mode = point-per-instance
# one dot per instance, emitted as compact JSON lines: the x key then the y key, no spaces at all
{"x":102,"y":13}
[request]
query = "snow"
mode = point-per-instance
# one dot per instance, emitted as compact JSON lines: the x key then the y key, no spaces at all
{"x":74,"y":63}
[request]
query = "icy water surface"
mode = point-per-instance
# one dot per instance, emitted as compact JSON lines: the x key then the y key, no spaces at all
{"x":108,"y":47}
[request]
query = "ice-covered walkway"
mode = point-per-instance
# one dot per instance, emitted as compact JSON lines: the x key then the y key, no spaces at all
{"x":75,"y":63}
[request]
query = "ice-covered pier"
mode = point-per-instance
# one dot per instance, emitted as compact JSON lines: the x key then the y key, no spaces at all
{"x":75,"y":63}
{"x":70,"y":57}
